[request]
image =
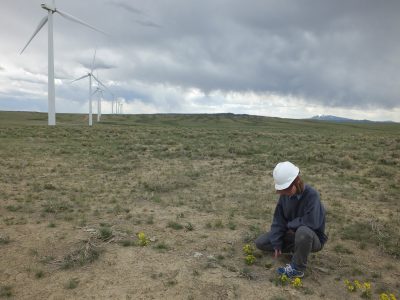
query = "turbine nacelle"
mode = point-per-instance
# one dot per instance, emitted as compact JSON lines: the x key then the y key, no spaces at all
{"x":48,"y":7}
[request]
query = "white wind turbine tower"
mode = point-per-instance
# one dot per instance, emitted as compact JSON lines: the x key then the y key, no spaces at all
{"x":90,"y":75}
{"x":99,"y":92}
{"x":51,"y":9}
{"x":118,"y":106}
{"x":112,"y":103}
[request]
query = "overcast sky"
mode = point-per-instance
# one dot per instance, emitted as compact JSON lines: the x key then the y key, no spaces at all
{"x":291,"y":59}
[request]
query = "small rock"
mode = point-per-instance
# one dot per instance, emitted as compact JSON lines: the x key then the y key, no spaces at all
{"x":198,"y":254}
{"x":153,"y":239}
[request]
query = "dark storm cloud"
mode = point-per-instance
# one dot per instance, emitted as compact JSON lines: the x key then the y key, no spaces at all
{"x":330,"y":53}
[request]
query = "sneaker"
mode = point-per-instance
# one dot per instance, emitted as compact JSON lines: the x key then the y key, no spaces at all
{"x":290,"y":271}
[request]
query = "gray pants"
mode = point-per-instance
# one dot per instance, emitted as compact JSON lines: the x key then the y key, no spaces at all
{"x":302,"y":243}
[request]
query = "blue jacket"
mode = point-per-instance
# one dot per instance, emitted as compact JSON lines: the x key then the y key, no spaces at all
{"x":292,"y":212}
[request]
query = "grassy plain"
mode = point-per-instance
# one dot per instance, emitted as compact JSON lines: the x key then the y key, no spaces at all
{"x":73,"y":198}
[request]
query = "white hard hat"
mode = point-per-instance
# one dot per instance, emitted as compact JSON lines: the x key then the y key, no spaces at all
{"x":284,"y":174}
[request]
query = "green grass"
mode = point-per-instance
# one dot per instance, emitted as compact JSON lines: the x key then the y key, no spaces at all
{"x":137,"y":172}
{"x":161,"y":247}
{"x":127,"y":243}
{"x":5,"y":291}
{"x":174,"y":225}
{"x":340,"y":249}
{"x":87,"y":253}
{"x":4,"y":239}
{"x":105,"y":232}
{"x":39,"y":274}
{"x":72,"y":284}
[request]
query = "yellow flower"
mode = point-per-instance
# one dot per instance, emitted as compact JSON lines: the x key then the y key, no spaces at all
{"x":384,"y":296}
{"x":250,"y":259}
{"x":284,"y":278}
{"x":367,"y":286}
{"x":392,"y":297}
{"x":357,"y":284}
{"x":297,"y":283}
{"x":346,"y":282}
{"x":248,"y":249}
{"x":351,"y":288}
{"x":143,"y":240}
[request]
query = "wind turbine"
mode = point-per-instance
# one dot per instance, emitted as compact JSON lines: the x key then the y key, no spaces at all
{"x":51,"y":9}
{"x":90,"y":75}
{"x":99,"y":91}
{"x":117,"y":103}
{"x":112,"y":103}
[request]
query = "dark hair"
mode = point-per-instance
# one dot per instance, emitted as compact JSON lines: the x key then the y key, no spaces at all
{"x":299,"y":184}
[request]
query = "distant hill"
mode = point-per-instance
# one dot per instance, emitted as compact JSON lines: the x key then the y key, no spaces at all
{"x":331,"y":118}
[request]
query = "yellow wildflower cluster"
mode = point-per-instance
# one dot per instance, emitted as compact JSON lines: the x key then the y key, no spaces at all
{"x":385,"y":296}
{"x":297,"y":283}
{"x":143,"y":240}
{"x":350,"y":286}
{"x":248,"y":249}
{"x":357,"y":285}
{"x":283,"y":279}
{"x":249,"y":258}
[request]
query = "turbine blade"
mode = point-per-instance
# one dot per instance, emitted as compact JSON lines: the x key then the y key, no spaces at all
{"x":80,"y":78}
{"x":74,"y":19}
{"x":94,"y":58}
{"x":41,"y":24}
{"x":99,"y":82}
{"x":96,"y":91}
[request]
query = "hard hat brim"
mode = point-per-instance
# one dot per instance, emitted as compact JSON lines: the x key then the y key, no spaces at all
{"x":285,"y":185}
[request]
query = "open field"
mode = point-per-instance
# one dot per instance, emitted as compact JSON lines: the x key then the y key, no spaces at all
{"x":73,"y":198}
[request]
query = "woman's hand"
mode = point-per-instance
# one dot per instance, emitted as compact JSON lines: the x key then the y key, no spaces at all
{"x":277,"y":253}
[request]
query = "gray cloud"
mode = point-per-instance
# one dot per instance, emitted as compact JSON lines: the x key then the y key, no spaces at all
{"x":99,"y":64}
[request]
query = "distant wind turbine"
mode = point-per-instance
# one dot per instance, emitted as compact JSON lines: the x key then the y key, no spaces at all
{"x":51,"y":9}
{"x":99,"y":91}
{"x":90,"y":75}
{"x":112,"y":103}
{"x":117,"y":106}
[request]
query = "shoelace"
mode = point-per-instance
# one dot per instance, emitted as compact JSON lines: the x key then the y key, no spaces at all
{"x":288,"y":269}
